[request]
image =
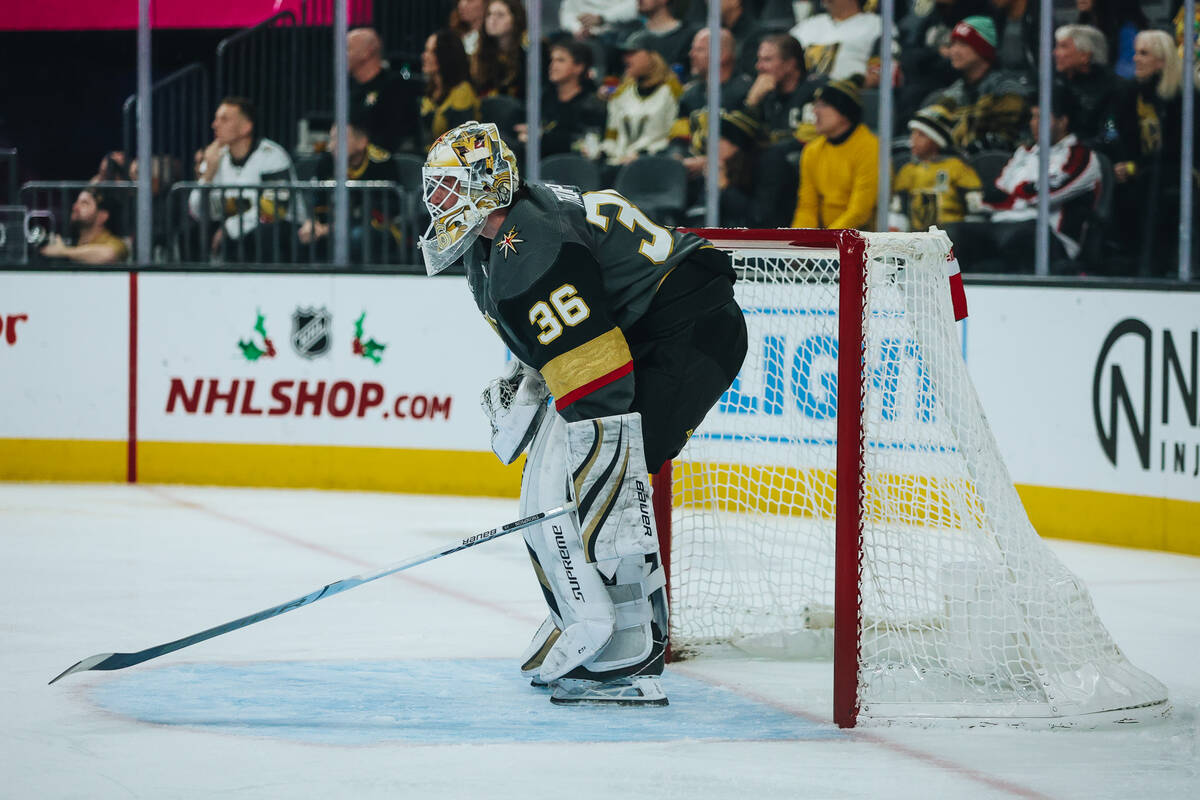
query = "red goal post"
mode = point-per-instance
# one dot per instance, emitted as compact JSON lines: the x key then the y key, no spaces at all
{"x":891,"y":537}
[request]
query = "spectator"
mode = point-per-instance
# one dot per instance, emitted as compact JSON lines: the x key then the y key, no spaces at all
{"x":366,"y":162}
{"x":238,"y":157}
{"x":690,"y":126}
{"x":741,"y":205}
{"x":1081,"y":64}
{"x":449,"y":100}
{"x":670,"y":37}
{"x":587,"y":18}
{"x":572,"y":114}
{"x":988,"y":105}
{"x":600,"y":23}
{"x":1017,"y":25}
{"x":1005,"y":243}
{"x":780,"y":99}
{"x":839,"y":170}
{"x":383,"y":100}
{"x":113,"y":167}
{"x":1181,"y":34}
{"x":936,"y":187}
{"x":842,"y":42}
{"x":643,"y":108}
{"x":1147,"y":119}
{"x":94,"y":218}
{"x":499,"y":63}
{"x":466,"y":20}
{"x":1120,"y":20}
{"x":923,"y":35}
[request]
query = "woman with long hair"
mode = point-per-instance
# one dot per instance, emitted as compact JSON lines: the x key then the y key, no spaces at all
{"x":643,"y":107}
{"x":1147,"y":116}
{"x":450,"y":99}
{"x":499,"y":64}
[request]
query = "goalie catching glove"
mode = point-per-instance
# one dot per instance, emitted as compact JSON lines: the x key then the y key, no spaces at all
{"x":514,"y":404}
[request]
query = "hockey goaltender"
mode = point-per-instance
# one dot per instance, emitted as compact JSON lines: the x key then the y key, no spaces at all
{"x":632,"y":329}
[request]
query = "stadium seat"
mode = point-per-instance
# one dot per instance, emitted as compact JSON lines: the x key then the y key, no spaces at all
{"x":656,"y":183}
{"x":988,"y":165}
{"x":507,"y":112}
{"x":409,"y":166}
{"x":571,"y":169}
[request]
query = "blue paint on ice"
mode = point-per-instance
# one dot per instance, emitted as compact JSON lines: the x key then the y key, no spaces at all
{"x":426,"y":702}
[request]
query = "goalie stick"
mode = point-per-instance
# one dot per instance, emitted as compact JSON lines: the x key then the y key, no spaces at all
{"x":109,"y":661}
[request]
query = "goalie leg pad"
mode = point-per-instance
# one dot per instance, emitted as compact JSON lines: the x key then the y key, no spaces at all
{"x":579,"y":601}
{"x":531,"y":660}
{"x":612,"y":489}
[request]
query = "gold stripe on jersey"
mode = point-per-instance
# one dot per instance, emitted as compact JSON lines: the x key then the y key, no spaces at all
{"x":587,"y":362}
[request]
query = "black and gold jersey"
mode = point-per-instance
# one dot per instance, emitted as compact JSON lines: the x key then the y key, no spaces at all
{"x":565,"y":279}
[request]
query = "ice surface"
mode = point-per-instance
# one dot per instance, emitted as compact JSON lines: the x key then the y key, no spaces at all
{"x":408,"y":687}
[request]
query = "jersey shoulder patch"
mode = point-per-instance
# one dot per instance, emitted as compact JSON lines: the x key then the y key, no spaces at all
{"x":528,"y":244}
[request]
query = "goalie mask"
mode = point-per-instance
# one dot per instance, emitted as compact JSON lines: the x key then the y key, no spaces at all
{"x":469,"y":173}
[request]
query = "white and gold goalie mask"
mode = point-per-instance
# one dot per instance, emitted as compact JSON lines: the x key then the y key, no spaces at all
{"x":469,"y":173}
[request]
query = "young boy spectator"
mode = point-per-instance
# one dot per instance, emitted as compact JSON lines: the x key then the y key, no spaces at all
{"x":935,"y":188}
{"x":1005,"y":243}
{"x":839,"y":170}
{"x":93,"y":218}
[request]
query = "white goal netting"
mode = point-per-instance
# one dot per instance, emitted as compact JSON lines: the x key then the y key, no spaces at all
{"x":964,"y":610}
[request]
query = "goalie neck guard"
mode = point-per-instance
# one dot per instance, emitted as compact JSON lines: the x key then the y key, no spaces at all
{"x":468,"y":174}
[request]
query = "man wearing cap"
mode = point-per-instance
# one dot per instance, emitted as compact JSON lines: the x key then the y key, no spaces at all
{"x":936,"y":187}
{"x":839,"y":170}
{"x":644,"y":106}
{"x":988,"y":105}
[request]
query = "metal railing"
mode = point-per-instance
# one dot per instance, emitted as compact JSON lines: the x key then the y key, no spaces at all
{"x":181,"y":107}
{"x":288,"y":223}
{"x":284,"y":68}
{"x":8,"y":164}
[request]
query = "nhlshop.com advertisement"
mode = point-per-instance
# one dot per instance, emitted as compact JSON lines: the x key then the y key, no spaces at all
{"x":282,"y":359}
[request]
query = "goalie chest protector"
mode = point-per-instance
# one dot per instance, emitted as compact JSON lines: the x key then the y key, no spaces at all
{"x":554,"y":236}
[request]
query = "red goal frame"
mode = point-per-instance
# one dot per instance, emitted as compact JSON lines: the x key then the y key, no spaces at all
{"x":851,"y":247}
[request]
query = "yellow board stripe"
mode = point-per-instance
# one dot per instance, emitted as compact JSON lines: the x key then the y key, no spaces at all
{"x":586,"y":363}
{"x":1105,"y":518}
{"x":290,"y":466}
{"x":62,"y":460}
{"x":1101,"y":517}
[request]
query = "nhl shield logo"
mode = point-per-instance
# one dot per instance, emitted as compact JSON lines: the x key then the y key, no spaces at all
{"x":311,"y":331}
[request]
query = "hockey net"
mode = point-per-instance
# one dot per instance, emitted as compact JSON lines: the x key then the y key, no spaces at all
{"x":948,"y":605}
